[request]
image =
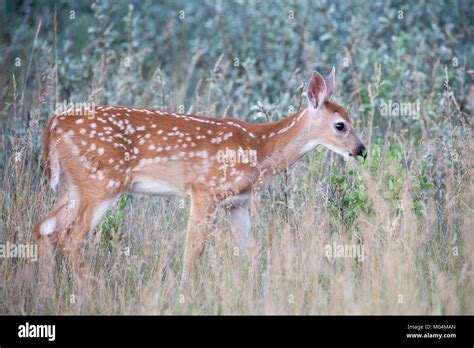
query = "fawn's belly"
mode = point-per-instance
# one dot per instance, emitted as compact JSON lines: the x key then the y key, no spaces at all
{"x":159,"y":180}
{"x":180,"y":178}
{"x":151,"y":186}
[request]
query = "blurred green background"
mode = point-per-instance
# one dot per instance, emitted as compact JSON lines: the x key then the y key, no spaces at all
{"x":241,"y":55}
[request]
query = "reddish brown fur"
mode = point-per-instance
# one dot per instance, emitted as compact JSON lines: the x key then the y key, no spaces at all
{"x":336,"y":108}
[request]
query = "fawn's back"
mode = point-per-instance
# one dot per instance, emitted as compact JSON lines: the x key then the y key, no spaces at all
{"x":151,"y":152}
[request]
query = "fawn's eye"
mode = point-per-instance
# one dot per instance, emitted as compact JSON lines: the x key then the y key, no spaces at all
{"x":340,"y":126}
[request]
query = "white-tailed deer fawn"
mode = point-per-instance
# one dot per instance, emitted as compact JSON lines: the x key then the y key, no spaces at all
{"x":216,"y":161}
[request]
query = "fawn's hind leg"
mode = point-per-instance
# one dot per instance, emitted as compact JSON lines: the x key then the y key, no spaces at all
{"x":90,"y":212}
{"x":48,"y":230}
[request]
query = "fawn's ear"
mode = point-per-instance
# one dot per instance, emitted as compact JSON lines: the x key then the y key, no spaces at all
{"x":330,"y":83}
{"x":317,"y":90}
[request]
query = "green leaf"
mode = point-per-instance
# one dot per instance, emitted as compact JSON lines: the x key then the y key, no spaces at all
{"x":390,"y":184}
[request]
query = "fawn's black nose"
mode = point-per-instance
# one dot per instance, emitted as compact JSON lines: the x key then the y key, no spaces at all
{"x":363,"y":151}
{"x":360,"y":151}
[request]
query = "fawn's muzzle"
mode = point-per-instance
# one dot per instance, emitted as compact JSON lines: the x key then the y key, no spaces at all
{"x":360,"y":151}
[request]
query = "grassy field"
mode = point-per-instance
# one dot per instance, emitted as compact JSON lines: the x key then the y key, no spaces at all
{"x":409,"y":206}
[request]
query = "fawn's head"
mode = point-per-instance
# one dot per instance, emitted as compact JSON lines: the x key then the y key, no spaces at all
{"x":331,"y":125}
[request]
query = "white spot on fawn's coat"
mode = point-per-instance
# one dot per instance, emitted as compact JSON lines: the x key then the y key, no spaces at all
{"x":47,"y":227}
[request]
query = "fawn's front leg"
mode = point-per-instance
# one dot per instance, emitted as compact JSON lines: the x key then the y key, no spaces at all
{"x":203,"y":207}
{"x":239,"y":221}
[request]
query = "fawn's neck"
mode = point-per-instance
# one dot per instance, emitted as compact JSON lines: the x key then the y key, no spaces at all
{"x":286,"y":141}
